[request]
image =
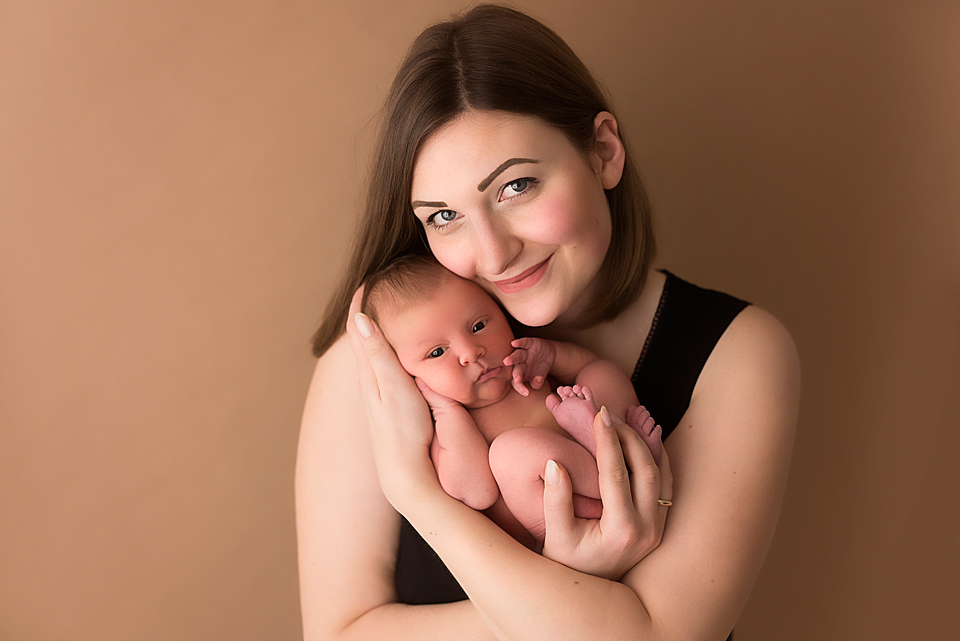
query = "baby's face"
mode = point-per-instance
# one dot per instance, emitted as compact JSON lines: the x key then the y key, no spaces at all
{"x":455,"y":342}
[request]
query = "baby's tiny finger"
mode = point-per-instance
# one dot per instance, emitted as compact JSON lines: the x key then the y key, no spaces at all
{"x":541,"y":372}
{"x":516,"y":357}
{"x":517,"y":381}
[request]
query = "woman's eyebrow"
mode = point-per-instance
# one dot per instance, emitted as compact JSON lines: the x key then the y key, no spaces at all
{"x":499,"y":170}
{"x":425,"y":203}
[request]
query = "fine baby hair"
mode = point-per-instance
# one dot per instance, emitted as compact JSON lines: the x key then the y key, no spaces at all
{"x":407,"y":280}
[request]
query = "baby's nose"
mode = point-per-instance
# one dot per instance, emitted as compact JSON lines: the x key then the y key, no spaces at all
{"x":471,"y":353}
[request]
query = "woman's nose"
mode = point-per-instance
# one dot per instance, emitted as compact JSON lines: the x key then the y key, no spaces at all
{"x":495,"y":245}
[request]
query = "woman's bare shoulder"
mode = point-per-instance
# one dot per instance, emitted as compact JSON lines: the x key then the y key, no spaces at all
{"x":757,"y":334}
{"x":333,"y":416}
{"x":346,"y":530}
{"x":336,"y":368}
{"x":748,"y":391}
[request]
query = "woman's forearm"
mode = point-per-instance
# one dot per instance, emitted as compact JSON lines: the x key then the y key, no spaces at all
{"x":520,"y":594}
{"x":458,"y":621}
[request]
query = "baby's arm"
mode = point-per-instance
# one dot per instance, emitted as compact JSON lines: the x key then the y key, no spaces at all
{"x":459,"y":452}
{"x":534,"y":358}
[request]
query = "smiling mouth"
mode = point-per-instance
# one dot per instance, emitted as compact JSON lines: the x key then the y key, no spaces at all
{"x":525,"y":280}
{"x":487,"y":374}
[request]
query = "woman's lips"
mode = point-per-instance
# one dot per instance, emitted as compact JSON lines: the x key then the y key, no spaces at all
{"x":525,"y":280}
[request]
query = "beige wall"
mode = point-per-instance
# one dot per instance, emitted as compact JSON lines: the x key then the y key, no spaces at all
{"x":177,"y":184}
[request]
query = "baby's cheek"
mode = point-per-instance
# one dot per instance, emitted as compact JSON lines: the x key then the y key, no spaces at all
{"x":413,"y":370}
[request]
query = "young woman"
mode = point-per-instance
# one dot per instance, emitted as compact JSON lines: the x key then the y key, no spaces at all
{"x":500,"y":155}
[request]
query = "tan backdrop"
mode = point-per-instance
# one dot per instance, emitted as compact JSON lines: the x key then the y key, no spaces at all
{"x":178,"y":182}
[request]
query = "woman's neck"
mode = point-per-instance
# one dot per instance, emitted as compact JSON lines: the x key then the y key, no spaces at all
{"x":620,"y":340}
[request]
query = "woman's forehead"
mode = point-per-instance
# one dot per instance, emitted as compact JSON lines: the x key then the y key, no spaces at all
{"x":475,"y":144}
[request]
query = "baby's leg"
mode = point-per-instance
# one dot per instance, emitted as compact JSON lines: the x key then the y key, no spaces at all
{"x":574,"y":409}
{"x":518,"y":459}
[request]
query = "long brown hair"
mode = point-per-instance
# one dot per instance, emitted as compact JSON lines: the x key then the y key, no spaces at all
{"x":491,"y":58}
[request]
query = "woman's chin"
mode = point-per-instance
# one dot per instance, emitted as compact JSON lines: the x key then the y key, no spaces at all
{"x":531,"y":314}
{"x":541,"y":316}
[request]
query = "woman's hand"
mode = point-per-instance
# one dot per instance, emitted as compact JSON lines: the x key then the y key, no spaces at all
{"x":630,"y":486}
{"x":399,"y":418}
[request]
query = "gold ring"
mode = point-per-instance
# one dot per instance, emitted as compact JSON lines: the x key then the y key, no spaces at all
{"x":664,"y":503}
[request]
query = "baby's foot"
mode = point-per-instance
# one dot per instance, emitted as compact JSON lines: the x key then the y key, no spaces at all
{"x":574,"y":410}
{"x":639,"y":419}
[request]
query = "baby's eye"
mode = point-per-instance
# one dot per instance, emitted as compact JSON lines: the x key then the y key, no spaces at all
{"x":480,"y":325}
{"x":437,"y":353}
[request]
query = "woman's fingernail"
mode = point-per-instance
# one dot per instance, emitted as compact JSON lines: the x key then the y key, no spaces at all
{"x":552,"y":475}
{"x":364,"y":326}
{"x":605,"y":416}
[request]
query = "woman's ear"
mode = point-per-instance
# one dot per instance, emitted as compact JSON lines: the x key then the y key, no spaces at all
{"x":609,"y":150}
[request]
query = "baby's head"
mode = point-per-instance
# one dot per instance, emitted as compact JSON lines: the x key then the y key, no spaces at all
{"x":446,"y":331}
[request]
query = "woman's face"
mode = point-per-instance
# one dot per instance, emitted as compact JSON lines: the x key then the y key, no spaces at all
{"x":510,"y":204}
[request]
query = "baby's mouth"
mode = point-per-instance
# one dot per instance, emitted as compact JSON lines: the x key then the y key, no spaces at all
{"x":489,"y":373}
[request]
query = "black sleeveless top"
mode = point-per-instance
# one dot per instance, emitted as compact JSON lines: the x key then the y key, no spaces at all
{"x":687,"y":325}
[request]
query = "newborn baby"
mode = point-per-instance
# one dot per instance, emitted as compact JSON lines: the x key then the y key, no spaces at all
{"x":493,"y":433}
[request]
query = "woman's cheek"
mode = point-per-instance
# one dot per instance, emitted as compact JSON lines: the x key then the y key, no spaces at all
{"x":554,"y":223}
{"x":565,"y":220}
{"x":456,"y":261}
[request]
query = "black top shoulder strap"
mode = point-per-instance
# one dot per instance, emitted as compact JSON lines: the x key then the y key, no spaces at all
{"x":686,"y":327}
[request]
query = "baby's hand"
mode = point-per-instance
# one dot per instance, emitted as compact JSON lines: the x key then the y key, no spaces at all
{"x":531,"y":362}
{"x":435,"y":400}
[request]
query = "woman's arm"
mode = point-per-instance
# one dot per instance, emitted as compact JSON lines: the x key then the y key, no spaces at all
{"x":730,"y":456}
{"x":347,"y":532}
{"x":733,"y":446}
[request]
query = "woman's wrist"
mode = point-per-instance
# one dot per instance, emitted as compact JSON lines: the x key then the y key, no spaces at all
{"x":410,"y":482}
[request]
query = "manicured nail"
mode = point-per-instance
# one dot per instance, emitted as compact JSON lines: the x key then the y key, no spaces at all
{"x":605,"y":416}
{"x":552,"y":475}
{"x":364,"y":326}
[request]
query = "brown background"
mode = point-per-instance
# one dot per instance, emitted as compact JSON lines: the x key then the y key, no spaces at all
{"x":178,"y":182}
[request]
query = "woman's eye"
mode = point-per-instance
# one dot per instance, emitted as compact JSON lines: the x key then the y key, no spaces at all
{"x":442,"y":218}
{"x":437,"y":353}
{"x":516,"y":187}
{"x":479,"y":326}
